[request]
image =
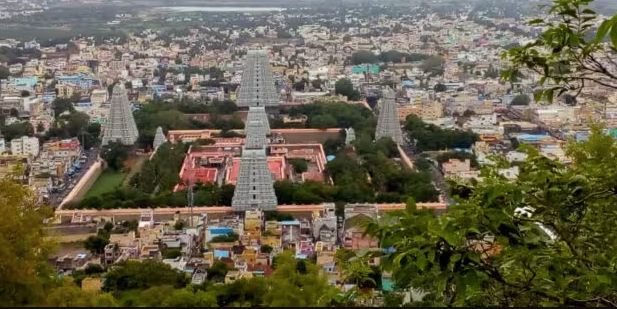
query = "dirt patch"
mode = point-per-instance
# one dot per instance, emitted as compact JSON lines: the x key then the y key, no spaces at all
{"x":134,"y":165}
{"x":70,"y":249}
{"x":69,"y":239}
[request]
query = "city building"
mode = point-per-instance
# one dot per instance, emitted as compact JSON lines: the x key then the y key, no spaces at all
{"x":25,"y":146}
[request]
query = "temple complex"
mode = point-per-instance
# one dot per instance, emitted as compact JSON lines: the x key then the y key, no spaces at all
{"x":388,"y":124}
{"x":120,"y":124}
{"x":257,"y":85}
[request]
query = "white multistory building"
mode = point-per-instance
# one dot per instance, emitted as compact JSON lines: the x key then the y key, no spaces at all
{"x":25,"y":146}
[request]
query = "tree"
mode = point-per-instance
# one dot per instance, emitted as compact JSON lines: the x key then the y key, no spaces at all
{"x":61,"y":105}
{"x":25,"y":93}
{"x":188,"y":298}
{"x":440,"y":88}
{"x":76,"y":123}
{"x":152,"y":297}
{"x":231,"y":237}
{"x":172,"y":254}
{"x":40,"y":127}
{"x":316,"y":83}
{"x":299,"y":165}
{"x":266,"y":249}
{"x":543,"y":239}
{"x":17,"y":130}
{"x":179,"y":225}
{"x":70,"y":295}
{"x":297,"y":283}
{"x":568,"y":55}
{"x":4,"y":72}
{"x":344,"y":87}
{"x":469,"y":113}
{"x":357,"y":271}
{"x":96,"y":244}
{"x":323,"y":122}
{"x":433,"y":65}
{"x":429,"y":137}
{"x":363,"y":57}
{"x":521,"y":99}
{"x":217,"y":271}
{"x":108,"y":227}
{"x":114,"y":155}
{"x":25,"y":247}
{"x":130,"y":275}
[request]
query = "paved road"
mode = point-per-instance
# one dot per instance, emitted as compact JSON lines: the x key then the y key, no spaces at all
{"x":438,"y":179}
{"x":92,"y":156}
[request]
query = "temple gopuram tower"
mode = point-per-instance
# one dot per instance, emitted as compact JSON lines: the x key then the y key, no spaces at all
{"x":388,"y":124}
{"x":120,"y":124}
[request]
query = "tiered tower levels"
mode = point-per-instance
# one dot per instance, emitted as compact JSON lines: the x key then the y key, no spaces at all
{"x":388,"y":124}
{"x":120,"y":124}
{"x":257,"y":86}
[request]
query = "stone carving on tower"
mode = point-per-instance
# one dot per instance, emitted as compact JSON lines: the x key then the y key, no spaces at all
{"x":255,"y":132}
{"x":257,"y":86}
{"x":350,"y":136}
{"x":388,"y":124}
{"x":159,"y":138}
{"x":258,"y":113}
{"x":255,"y":182}
{"x":120,"y":125}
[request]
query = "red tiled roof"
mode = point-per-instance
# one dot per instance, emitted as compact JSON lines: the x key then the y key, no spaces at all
{"x":275,"y":164}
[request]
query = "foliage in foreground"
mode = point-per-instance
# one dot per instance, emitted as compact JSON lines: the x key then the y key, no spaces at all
{"x":571,"y":53}
{"x":545,"y":239}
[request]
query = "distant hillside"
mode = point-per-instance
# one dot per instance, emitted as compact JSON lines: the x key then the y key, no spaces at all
{"x":221,"y":2}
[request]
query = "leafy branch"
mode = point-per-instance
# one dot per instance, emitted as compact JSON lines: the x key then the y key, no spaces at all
{"x":565,"y":56}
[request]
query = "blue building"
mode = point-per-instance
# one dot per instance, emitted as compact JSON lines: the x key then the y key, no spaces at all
{"x":26,"y":81}
{"x":82,"y":81}
{"x":408,"y":83}
{"x":212,"y":232}
{"x":48,"y":97}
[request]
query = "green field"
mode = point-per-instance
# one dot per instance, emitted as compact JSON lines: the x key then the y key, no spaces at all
{"x":108,"y":181}
{"x":41,"y":34}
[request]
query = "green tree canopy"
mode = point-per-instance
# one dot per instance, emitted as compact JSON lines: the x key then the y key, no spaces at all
{"x":17,"y":130}
{"x":363,"y":57}
{"x":4,"y":72}
{"x":429,"y":137}
{"x":570,"y":53}
{"x":295,"y":285}
{"x":440,"y":88}
{"x":61,"y":105}
{"x":70,"y":295}
{"x":521,"y":99}
{"x":114,"y":155}
{"x":24,"y":248}
{"x":299,"y":165}
{"x":543,"y":239}
{"x":433,"y":65}
{"x":444,"y":157}
{"x":130,"y":275}
{"x":344,"y":87}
